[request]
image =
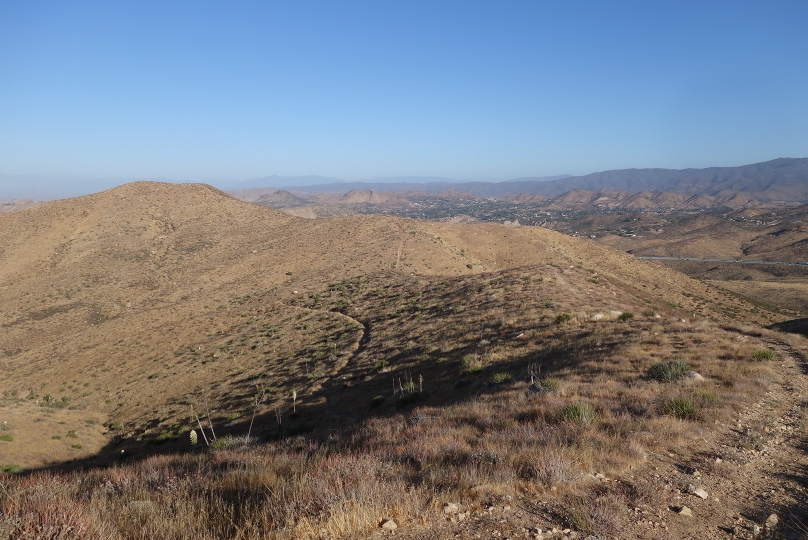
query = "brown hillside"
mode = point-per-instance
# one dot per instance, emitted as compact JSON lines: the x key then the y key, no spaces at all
{"x":115,"y":301}
{"x":280,"y":198}
{"x":382,"y":364}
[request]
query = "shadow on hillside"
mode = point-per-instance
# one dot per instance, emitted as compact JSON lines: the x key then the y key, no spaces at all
{"x":352,"y":396}
{"x":794,"y":326}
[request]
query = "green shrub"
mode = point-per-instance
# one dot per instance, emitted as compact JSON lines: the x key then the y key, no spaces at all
{"x":6,"y":437}
{"x":580,"y":413}
{"x":471,"y":364}
{"x":626,"y":315}
{"x":501,"y":377}
{"x":57,"y":437}
{"x":764,"y":354}
{"x":563,"y":317}
{"x":114,"y":426}
{"x":706,"y":399}
{"x":164,"y":436}
{"x":223,"y":443}
{"x":549,"y":384}
{"x":76,"y":447}
{"x":682,"y":408}
{"x":10,"y":469}
{"x":668,"y":371}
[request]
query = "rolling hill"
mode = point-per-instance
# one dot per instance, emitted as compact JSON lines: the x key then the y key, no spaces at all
{"x":416,"y":359}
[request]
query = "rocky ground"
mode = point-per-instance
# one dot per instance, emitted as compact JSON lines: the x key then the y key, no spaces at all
{"x":750,"y":480}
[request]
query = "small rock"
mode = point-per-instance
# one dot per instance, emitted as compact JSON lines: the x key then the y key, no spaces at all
{"x":461,"y":516}
{"x":506,"y":507}
{"x":698,"y":492}
{"x":771,"y":521}
{"x":389,"y":525}
{"x":685,"y":511}
{"x":693,"y":376}
{"x":756,"y":530}
{"x":718,"y":460}
{"x":450,"y":508}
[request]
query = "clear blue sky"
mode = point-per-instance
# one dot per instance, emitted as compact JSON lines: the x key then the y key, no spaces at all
{"x":469,"y":90}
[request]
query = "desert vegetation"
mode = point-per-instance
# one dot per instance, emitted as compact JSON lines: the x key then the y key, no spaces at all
{"x":609,"y":399}
{"x":553,"y":377}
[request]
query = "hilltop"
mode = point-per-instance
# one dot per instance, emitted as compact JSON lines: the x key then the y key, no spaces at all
{"x":422,"y":360}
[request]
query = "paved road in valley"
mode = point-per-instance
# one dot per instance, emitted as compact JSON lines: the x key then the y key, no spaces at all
{"x":738,"y":261}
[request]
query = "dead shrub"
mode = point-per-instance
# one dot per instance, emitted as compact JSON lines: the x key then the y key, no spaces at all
{"x":549,"y":468}
{"x":596,"y":513}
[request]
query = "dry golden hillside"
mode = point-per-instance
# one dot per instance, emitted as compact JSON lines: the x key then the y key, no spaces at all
{"x":100,"y":293}
{"x":127,"y":314}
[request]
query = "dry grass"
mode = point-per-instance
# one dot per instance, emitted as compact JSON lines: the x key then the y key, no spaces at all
{"x":410,"y":389}
{"x":475,"y":442}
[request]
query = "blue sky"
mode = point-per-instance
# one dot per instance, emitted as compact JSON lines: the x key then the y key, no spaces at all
{"x":467,"y":90}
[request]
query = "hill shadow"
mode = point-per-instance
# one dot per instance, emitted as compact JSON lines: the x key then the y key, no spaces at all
{"x":426,"y":343}
{"x":338,"y":409}
{"x":793,"y":326}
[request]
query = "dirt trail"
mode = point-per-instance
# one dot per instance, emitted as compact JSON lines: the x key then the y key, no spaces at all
{"x":750,"y":470}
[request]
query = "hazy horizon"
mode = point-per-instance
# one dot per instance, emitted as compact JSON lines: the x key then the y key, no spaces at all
{"x":467,"y":91}
{"x":47,"y":188}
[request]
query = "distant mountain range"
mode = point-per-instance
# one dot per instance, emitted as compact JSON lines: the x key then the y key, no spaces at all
{"x":778,"y":180}
{"x":782,"y":180}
